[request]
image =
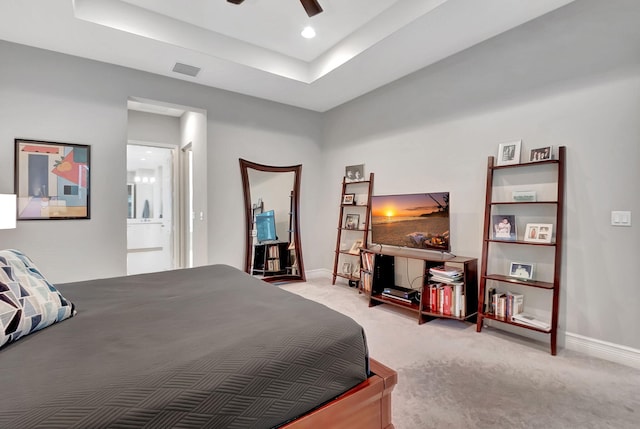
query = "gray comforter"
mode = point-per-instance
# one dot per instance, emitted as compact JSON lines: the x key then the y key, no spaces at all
{"x":203,"y":347}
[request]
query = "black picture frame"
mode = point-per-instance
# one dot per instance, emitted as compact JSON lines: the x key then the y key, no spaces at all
{"x":52,"y":180}
{"x":351,"y":221}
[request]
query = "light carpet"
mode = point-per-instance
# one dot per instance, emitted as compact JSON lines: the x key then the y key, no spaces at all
{"x":451,"y":376}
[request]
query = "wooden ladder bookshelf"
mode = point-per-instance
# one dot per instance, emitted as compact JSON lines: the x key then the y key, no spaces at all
{"x":548,"y":177}
{"x":346,"y":251}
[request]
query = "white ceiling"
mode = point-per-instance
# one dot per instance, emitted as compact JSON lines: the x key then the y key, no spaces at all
{"x":256,"y":49}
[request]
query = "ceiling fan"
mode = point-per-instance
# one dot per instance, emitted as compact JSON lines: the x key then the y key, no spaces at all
{"x":312,"y":7}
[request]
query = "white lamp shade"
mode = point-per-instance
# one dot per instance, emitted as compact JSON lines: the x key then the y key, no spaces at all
{"x":7,"y":211}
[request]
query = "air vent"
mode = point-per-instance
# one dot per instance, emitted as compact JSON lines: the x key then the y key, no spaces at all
{"x":186,"y":69}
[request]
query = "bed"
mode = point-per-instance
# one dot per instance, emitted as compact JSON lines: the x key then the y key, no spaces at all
{"x":206,"y":347}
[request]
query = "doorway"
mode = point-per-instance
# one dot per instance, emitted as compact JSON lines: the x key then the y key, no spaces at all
{"x":150,"y":201}
{"x":181,"y":131}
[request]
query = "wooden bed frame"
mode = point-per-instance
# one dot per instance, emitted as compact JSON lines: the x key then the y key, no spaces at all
{"x":366,"y":406}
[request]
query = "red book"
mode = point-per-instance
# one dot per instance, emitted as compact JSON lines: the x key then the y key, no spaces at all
{"x":434,"y":298}
{"x":446,"y":305}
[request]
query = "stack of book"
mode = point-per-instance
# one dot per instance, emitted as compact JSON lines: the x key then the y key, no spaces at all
{"x":445,"y":291}
{"x":445,"y":274}
{"x":506,"y":304}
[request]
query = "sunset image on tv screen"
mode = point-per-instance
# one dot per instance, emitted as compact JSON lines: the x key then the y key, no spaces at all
{"x":411,"y":220}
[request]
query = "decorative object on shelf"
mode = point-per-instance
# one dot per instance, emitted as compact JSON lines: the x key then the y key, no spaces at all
{"x":61,"y":171}
{"x":352,"y":221}
{"x":509,"y":153}
{"x":503,"y":227}
{"x":348,"y":199}
{"x":521,"y":270}
{"x":521,"y":196}
{"x":538,"y":232}
{"x":541,"y":154}
{"x":355,"y":248}
{"x":354,"y":173}
{"x":530,"y":320}
{"x":355,"y":272}
{"x":346,"y":268}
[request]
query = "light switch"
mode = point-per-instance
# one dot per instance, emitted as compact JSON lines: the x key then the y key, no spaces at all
{"x":621,"y":218}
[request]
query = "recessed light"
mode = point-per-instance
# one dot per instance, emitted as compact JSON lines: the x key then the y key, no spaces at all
{"x":308,"y":32}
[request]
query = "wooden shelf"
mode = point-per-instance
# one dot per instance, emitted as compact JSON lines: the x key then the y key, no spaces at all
{"x":514,"y":280}
{"x":396,"y":302}
{"x":362,"y":233}
{"x":525,"y":164}
{"x":505,"y":203}
{"x":348,"y":277}
{"x":528,"y":243}
{"x":382,"y":275}
{"x":552,"y":175}
{"x":510,"y":322}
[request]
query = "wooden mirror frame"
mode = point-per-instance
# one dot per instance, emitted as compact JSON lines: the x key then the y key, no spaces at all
{"x":248,"y":210}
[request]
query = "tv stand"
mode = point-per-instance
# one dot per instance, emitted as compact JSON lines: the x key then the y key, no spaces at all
{"x":378,"y":273}
{"x":270,"y":258}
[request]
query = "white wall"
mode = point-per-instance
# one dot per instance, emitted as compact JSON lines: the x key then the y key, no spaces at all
{"x":433,"y":131}
{"x":50,"y":96}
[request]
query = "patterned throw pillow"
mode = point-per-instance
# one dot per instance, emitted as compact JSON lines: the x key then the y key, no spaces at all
{"x":28,"y":302}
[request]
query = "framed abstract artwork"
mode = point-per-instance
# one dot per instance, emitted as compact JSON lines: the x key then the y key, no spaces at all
{"x":52,"y":180}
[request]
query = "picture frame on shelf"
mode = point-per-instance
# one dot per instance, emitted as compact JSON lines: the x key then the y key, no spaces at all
{"x":355,"y":248}
{"x":354,"y":173}
{"x":355,"y":272}
{"x":351,"y":221}
{"x":509,"y":153}
{"x":349,"y":199}
{"x":62,"y":174}
{"x":538,"y":232}
{"x":521,"y":270}
{"x":346,"y":268}
{"x":503,"y":227}
{"x":541,"y":154}
{"x":523,"y":196}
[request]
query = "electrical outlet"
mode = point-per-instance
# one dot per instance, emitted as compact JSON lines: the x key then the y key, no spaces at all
{"x":621,"y":218}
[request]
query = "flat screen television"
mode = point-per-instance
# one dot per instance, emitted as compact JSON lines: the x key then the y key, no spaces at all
{"x":419,"y":221}
{"x":266,"y":226}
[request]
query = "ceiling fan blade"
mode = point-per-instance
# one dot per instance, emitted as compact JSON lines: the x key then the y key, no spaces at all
{"x":312,"y":7}
{"x":235,"y":1}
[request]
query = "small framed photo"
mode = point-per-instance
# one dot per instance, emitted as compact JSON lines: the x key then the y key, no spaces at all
{"x":351,"y":221}
{"x":349,"y":199}
{"x":346,"y":268}
{"x":509,"y":153}
{"x":538,"y":232}
{"x":541,"y":154}
{"x":355,"y":248}
{"x":356,"y":270}
{"x":521,"y":270}
{"x":354,"y":173}
{"x":503,"y":227}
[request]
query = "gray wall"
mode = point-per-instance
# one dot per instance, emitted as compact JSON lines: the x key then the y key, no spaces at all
{"x":49,"y":96}
{"x":569,"y":78}
{"x":555,"y":81}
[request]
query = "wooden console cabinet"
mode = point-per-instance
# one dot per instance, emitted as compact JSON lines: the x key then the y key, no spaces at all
{"x":378,"y":273}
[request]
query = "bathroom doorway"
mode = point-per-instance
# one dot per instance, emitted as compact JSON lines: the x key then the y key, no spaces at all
{"x":150,"y":216}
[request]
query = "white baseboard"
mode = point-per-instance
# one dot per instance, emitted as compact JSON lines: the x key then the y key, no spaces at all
{"x":604,"y":350}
